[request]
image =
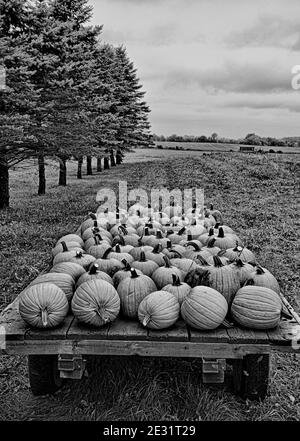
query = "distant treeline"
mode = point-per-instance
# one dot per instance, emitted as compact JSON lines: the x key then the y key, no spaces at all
{"x":250,"y":139}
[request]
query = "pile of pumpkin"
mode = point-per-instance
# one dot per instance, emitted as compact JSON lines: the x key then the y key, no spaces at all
{"x":155,"y":267}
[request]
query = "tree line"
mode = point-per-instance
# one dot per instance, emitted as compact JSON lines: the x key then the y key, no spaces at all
{"x":68,"y":94}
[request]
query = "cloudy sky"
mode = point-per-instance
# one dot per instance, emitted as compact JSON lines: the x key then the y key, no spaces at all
{"x":212,"y":65}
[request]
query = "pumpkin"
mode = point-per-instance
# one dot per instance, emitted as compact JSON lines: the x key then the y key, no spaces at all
{"x":43,"y":305}
{"x":206,"y":237}
{"x":152,"y":227}
{"x":64,"y":281}
{"x":159,"y":310}
{"x":189,"y":240}
{"x":179,"y":289}
{"x":211,"y":248}
{"x":196,"y":230}
{"x":129,"y":238}
{"x":120,"y":229}
{"x":176,"y":238}
{"x":185,"y":265}
{"x":63,"y":247}
{"x":73,"y":269}
{"x":136,"y":252}
{"x":173,"y":210}
{"x":92,"y":274}
{"x":225,"y":228}
{"x":209,"y":221}
{"x":123,"y":248}
{"x":146,"y":239}
{"x":161,"y":217}
{"x":132,"y":291}
{"x":119,"y":255}
{"x":164,"y":275}
{"x":240,"y":253}
{"x":244,"y":270}
{"x":216,"y":214}
{"x":156,"y":255}
{"x":225,"y":241}
{"x":98,"y":248}
{"x":145,"y":265}
{"x":123,"y":273}
{"x":256,"y":307}
{"x":109,"y":265}
{"x":96,"y":303}
{"x":204,"y":308}
{"x":223,"y":259}
{"x":195,"y":276}
{"x":222,"y":278}
{"x":263,"y":277}
{"x":66,"y":256}
{"x":88,"y":223}
{"x":173,"y":251}
{"x":136,"y":207}
{"x":91,"y":232}
{"x":192,"y":250}
{"x":79,"y":257}
{"x":71,"y":238}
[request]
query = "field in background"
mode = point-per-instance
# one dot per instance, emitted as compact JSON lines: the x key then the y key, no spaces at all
{"x":259,"y":196}
{"x":216,"y":147}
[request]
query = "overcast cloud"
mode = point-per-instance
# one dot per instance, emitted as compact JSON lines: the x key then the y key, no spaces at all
{"x":211,"y":65}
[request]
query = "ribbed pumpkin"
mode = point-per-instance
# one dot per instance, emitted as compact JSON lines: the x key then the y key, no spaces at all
{"x":244,"y":270}
{"x":73,"y":269}
{"x":156,"y":255}
{"x":263,"y":277}
{"x":204,"y":308}
{"x":119,"y":255}
{"x":222,"y":278}
{"x":121,"y":243}
{"x":91,"y":232}
{"x":192,"y":250}
{"x":164,"y":275}
{"x":145,"y":265}
{"x":179,"y":289}
{"x":88,"y":223}
{"x":43,"y":305}
{"x":97,"y":246}
{"x":136,"y":251}
{"x":226,"y":240}
{"x":71,"y":238}
{"x":132,"y":291}
{"x":206,"y":237}
{"x":159,"y":310}
{"x":63,"y":247}
{"x":94,"y":274}
{"x":185,"y":265}
{"x":64,"y":281}
{"x":109,"y":265}
{"x":82,"y":259}
{"x":123,"y":273}
{"x":241,"y":253}
{"x":96,"y":303}
{"x":256,"y":307}
{"x":178,"y":237}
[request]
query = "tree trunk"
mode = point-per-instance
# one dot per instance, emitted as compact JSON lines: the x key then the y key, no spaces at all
{"x":106,"y":163}
{"x":42,"y":177}
{"x":89,"y":168}
{"x":4,"y":183}
{"x":112,"y":159}
{"x":79,"y":168}
{"x":62,"y":172}
{"x":119,"y":157}
{"x":99,"y":165}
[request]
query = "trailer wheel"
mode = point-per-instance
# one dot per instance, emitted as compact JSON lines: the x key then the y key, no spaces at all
{"x":254,"y":376}
{"x":43,"y":374}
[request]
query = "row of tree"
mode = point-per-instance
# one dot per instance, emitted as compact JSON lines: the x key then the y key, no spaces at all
{"x":250,"y":139}
{"x":67,"y":93}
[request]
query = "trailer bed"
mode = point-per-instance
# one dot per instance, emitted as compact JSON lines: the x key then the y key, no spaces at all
{"x":126,"y":337}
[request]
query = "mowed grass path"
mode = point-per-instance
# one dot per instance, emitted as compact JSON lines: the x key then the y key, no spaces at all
{"x":259,"y":197}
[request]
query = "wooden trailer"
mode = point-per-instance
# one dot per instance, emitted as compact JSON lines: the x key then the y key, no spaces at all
{"x":60,"y":353}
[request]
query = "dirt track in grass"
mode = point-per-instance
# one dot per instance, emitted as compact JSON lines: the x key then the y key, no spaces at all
{"x":259,"y":196}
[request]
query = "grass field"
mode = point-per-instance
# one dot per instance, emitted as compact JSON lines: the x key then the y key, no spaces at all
{"x":259,"y":196}
{"x":217,"y":147}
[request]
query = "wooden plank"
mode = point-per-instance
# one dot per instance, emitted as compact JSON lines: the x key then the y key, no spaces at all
{"x":178,"y":332}
{"x":284,"y":334}
{"x":79,"y":331}
{"x":242,"y":335}
{"x":217,"y":335}
{"x":14,"y":325}
{"x":122,"y":329}
{"x":58,"y":333}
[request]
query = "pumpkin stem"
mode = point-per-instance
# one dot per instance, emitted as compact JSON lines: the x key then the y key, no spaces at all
{"x":221,"y":233}
{"x":217,"y":225}
{"x":122,"y":229}
{"x":44,"y":318}
{"x":94,"y":268}
{"x":189,"y":236}
{"x":95,"y":223}
{"x":79,"y":254}
{"x":159,"y":234}
{"x":102,"y":315}
{"x":93,"y":216}
{"x":107,"y":252}
{"x":211,"y":243}
{"x":239,"y":263}
{"x":127,"y":267}
{"x":217,"y":262}
{"x":64,"y":247}
{"x":117,"y":248}
{"x":259,"y":271}
{"x":169,"y":244}
{"x":95,"y":230}
{"x":167,"y":262}
{"x":194,"y":245}
{"x":211,"y":232}
{"x":134,"y":274}
{"x":157,"y":249}
{"x":143,"y":257}
{"x":181,"y":232}
{"x":176,"y":280}
{"x":202,"y":261}
{"x":146,"y":231}
{"x":146,"y":320}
